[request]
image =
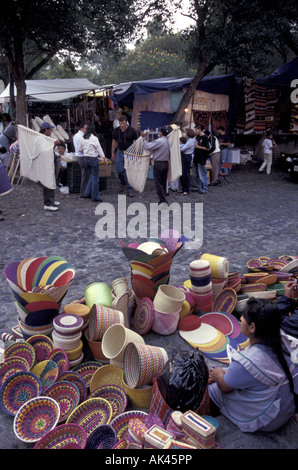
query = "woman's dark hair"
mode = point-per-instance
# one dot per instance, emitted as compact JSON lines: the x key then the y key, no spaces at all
{"x":266,"y":317}
{"x":90,"y":130}
{"x":190,"y":133}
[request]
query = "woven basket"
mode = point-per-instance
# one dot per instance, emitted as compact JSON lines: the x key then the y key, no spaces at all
{"x":35,"y":418}
{"x":60,"y":357}
{"x":11,"y":366}
{"x":136,"y":163}
{"x":74,"y":354}
{"x":76,"y":379}
{"x":21,"y":349}
{"x":141,"y":363}
{"x":101,"y":318}
{"x":63,"y":436}
{"x":47,"y":371}
{"x":168,"y":299}
{"x":96,"y":349}
{"x":115,"y":395}
{"x":17,"y":390}
{"x":257,"y":287}
{"x":115,"y":340}
{"x":42,"y":345}
{"x":103,"y":437}
{"x":139,"y":397}
{"x":91,"y":414}
{"x":219,"y":265}
{"x":78,"y":309}
{"x":67,"y":395}
{"x":107,"y":375}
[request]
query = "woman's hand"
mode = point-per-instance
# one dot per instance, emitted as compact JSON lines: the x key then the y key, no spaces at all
{"x":291,"y":289}
{"x":217,"y":376}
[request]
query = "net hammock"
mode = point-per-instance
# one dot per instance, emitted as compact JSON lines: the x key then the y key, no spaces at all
{"x":136,"y":163}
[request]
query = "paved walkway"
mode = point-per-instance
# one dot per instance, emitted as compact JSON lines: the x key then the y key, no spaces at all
{"x":255,"y":215}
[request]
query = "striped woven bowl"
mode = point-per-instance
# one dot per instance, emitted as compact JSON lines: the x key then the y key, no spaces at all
{"x":35,"y":418}
{"x":63,"y":436}
{"x":253,"y":287}
{"x":67,"y":395}
{"x":17,"y":390}
{"x":47,"y":371}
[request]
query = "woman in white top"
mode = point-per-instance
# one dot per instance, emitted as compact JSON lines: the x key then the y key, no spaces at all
{"x":268,"y":146}
{"x":92,"y":151}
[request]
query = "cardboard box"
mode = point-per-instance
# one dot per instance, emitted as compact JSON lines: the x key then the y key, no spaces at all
{"x":105,"y":170}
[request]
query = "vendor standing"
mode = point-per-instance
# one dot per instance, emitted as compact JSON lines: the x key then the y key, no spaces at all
{"x":123,"y":137}
{"x":160,"y":150}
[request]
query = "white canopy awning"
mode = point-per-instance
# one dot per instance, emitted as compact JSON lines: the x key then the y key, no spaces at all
{"x":53,"y":90}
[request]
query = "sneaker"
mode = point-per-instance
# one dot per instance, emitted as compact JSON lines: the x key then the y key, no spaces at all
{"x":122,"y":187}
{"x":50,"y":208}
{"x":56,"y":203}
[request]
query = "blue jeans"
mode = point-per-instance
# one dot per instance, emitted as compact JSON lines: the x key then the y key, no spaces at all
{"x":199,"y":178}
{"x":92,"y":188}
{"x":223,"y":159}
{"x":185,"y":178}
{"x":121,"y":170}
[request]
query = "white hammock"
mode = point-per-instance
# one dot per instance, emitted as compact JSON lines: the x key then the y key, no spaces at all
{"x":37,"y":157}
{"x":136,"y":163}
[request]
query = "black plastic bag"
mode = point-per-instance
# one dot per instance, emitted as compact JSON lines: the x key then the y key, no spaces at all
{"x":184,"y":379}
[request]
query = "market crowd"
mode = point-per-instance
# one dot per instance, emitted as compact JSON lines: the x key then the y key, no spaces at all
{"x":198,"y":147}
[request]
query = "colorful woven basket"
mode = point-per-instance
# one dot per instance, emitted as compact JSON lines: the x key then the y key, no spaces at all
{"x":91,"y":413}
{"x":120,"y":423}
{"x":104,"y":437}
{"x":115,"y":340}
{"x":68,"y":323}
{"x":47,"y":371}
{"x":42,"y":345}
{"x":225,"y":301}
{"x":219,"y":265}
{"x":139,"y":397}
{"x":109,"y":374}
{"x":63,"y":436}
{"x":144,"y":316}
{"x":257,"y":287}
{"x":76,"y":379}
{"x":87,"y":370}
{"x":21,"y":349}
{"x":141,"y":363}
{"x":67,"y":395}
{"x":17,"y":390}
{"x":35,"y":418}
{"x":251,"y":278}
{"x":101,"y":318}
{"x":60,"y":357}
{"x":268,"y":280}
{"x":115,"y":395}
{"x":11,"y":366}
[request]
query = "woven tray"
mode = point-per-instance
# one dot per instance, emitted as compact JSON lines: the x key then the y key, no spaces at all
{"x":91,"y":413}
{"x":35,"y":418}
{"x":17,"y":390}
{"x":87,"y":370}
{"x":42,"y":345}
{"x":120,"y":423}
{"x":67,"y":395}
{"x":11,"y":366}
{"x":47,"y":371}
{"x":115,"y":395}
{"x":76,"y":379}
{"x":21,"y":349}
{"x":225,"y":301}
{"x":63,"y":436}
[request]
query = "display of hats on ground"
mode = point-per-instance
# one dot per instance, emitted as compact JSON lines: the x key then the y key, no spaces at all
{"x":150,"y":265}
{"x":67,"y":335}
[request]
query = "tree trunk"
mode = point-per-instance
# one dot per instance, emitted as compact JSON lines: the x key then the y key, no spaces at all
{"x":15,"y":58}
{"x":202,"y":71}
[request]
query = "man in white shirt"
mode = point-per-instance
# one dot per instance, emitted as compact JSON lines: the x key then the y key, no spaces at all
{"x":85,"y":174}
{"x":268,"y":146}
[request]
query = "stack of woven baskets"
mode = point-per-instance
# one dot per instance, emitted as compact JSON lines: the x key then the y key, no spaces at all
{"x":67,"y":335}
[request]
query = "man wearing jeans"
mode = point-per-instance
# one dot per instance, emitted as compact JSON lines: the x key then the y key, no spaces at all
{"x":85,"y":173}
{"x":122,"y":138}
{"x":199,"y":171}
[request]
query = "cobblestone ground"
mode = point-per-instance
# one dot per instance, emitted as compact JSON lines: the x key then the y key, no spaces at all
{"x":255,"y":215}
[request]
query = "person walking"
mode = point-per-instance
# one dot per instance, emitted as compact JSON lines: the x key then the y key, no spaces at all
{"x":122,"y":138}
{"x":214,"y":155}
{"x":160,"y":150}
{"x":268,"y":146}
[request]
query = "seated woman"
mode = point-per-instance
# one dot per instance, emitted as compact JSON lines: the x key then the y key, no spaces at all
{"x":256,"y":391}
